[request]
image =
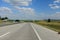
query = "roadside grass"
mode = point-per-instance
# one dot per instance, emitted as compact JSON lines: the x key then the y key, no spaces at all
{"x":51,"y":25}
{"x":1,"y":21}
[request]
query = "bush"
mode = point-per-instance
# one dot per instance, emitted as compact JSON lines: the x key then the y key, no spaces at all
{"x":49,"y":20}
{"x":17,"y":20}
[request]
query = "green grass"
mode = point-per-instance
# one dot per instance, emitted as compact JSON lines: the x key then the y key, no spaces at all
{"x":51,"y":25}
{"x":1,"y":21}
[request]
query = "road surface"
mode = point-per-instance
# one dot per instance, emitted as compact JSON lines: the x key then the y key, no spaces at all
{"x":46,"y":34}
{"x":27,"y":31}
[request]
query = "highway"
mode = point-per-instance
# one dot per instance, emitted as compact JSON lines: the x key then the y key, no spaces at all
{"x":27,"y":31}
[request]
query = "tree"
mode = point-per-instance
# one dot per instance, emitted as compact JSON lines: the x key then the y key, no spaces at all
{"x":6,"y":17}
{"x":0,"y":17}
{"x":58,"y":32}
{"x":17,"y":20}
{"x":49,"y":20}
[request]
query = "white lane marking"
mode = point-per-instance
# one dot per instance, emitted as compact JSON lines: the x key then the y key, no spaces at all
{"x":36,"y":33}
{"x":4,"y":34}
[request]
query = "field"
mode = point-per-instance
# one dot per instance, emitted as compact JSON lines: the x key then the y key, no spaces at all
{"x":54,"y":25}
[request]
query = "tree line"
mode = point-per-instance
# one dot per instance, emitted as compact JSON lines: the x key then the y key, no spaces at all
{"x":3,"y":18}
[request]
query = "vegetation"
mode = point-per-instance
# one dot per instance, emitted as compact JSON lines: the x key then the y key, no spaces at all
{"x":54,"y":25}
{"x":51,"y":24}
{"x":49,"y":20}
{"x":6,"y":18}
{"x":17,"y":20}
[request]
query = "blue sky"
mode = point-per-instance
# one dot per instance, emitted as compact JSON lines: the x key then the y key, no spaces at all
{"x":30,"y":9}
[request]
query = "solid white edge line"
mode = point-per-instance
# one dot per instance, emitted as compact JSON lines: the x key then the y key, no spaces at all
{"x":36,"y":32}
{"x":4,"y":34}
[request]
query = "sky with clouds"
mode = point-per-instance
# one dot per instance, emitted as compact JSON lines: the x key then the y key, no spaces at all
{"x":30,"y":9}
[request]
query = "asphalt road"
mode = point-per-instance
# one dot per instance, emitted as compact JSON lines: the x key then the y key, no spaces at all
{"x":27,"y":31}
{"x":46,"y":34}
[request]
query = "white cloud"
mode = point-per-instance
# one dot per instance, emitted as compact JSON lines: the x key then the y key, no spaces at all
{"x":52,"y":16}
{"x":19,"y":2}
{"x":26,"y":11}
{"x":42,"y":16}
{"x":4,"y":11}
{"x":55,"y":4}
{"x":22,"y":13}
{"x":57,"y":1}
{"x":7,"y":12}
{"x":46,"y":16}
{"x":55,"y":15}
